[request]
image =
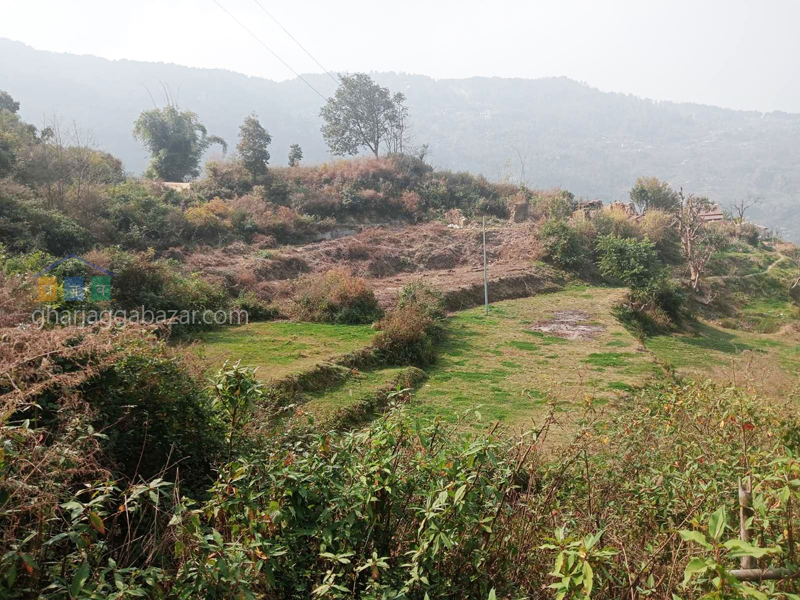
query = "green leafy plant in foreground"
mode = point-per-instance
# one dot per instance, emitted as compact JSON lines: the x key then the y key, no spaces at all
{"x":573,"y":565}
{"x":709,"y":573}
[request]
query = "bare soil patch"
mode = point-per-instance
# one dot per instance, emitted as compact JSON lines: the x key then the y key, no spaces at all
{"x":570,"y":325}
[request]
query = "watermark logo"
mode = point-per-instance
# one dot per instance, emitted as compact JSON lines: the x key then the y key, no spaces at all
{"x":74,"y":287}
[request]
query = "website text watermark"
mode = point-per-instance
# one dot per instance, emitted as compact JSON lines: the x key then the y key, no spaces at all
{"x":120,"y":318}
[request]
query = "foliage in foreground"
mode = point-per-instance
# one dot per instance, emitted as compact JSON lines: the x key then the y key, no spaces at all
{"x":404,"y":509}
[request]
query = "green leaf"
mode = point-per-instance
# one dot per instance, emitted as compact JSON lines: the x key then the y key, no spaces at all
{"x":97,"y":522}
{"x":694,"y":536}
{"x":588,"y":578}
{"x":492,"y":595}
{"x":753,"y":593}
{"x":696,"y":566}
{"x":559,"y":563}
{"x":81,"y":575}
{"x":717,"y":522}
{"x":739,"y":549}
{"x":217,"y":537}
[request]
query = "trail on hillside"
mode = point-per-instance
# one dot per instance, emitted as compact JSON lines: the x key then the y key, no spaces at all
{"x":764,"y":272}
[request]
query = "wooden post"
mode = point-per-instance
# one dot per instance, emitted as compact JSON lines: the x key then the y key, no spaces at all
{"x":745,"y":512}
{"x":485,"y":272}
{"x":750,"y":570}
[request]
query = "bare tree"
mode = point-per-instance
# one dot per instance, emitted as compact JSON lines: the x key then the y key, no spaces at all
{"x":66,"y":165}
{"x":740,"y":207}
{"x":699,"y":240}
{"x":523,"y":179}
{"x":398,"y":136}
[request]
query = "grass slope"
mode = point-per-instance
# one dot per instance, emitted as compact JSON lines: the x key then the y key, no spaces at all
{"x":513,"y":372}
{"x":281,"y":348}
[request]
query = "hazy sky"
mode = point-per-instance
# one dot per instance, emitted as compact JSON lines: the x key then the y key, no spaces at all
{"x":732,"y":53}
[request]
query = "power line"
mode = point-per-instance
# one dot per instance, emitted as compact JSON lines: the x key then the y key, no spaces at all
{"x":270,"y":50}
{"x":335,"y":79}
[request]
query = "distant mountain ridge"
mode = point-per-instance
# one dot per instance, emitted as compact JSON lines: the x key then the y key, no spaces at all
{"x":567,"y":134}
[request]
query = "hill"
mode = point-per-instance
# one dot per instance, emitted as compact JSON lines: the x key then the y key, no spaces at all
{"x":568,"y":134}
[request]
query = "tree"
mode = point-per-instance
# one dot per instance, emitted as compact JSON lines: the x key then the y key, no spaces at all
{"x":17,"y":138}
{"x":740,"y":207}
{"x":633,"y":262}
{"x":363,"y":114}
{"x":8,"y":103}
{"x":397,"y":138}
{"x":252,"y":146}
{"x":699,"y":240}
{"x":295,"y":155}
{"x":65,"y":164}
{"x":176,"y":141}
{"x":650,"y":192}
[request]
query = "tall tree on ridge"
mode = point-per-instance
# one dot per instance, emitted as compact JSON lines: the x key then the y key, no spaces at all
{"x":176,"y":140}
{"x":362,"y":114}
{"x":252,"y":146}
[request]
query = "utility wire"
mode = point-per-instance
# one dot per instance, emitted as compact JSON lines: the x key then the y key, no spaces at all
{"x":270,"y":50}
{"x":335,"y":79}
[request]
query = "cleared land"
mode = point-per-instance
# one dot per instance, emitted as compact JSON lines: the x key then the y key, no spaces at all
{"x":281,"y":348}
{"x":514,"y":362}
{"x":564,"y":348}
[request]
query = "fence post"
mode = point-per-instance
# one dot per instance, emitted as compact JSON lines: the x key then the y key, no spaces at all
{"x":745,"y":512}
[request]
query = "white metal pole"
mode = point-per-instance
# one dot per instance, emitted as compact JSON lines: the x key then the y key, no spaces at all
{"x":485,"y":272}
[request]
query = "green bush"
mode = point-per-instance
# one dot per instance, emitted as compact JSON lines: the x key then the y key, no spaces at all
{"x":632,"y":262}
{"x":407,"y":336}
{"x":427,"y":298}
{"x":563,"y":245}
{"x":336,"y":297}
{"x":24,"y":227}
{"x":157,"y":417}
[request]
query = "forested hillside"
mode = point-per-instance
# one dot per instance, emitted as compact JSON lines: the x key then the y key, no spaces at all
{"x":567,"y":134}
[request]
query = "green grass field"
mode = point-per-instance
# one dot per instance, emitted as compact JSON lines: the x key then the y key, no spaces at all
{"x":502,"y":366}
{"x":767,"y":363}
{"x":281,"y":348}
{"x":498,"y":362}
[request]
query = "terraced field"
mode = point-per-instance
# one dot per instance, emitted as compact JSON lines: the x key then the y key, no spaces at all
{"x":282,"y":348}
{"x":563,"y":351}
{"x":564,"y":348}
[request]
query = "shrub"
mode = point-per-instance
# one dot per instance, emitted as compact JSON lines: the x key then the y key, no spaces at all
{"x":336,"y":296}
{"x":749,"y":233}
{"x":406,"y":337}
{"x":161,"y":417}
{"x":613,"y":222}
{"x":659,"y":227}
{"x":142,"y":217}
{"x":256,"y":309}
{"x":427,"y":298}
{"x":632,"y":262}
{"x":562,"y":245}
{"x":226,"y":178}
{"x":555,"y":204}
{"x":25,"y":227}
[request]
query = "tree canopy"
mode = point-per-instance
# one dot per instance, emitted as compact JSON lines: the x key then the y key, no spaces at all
{"x":295,"y":155}
{"x":252,"y":146}
{"x":362,"y":114}
{"x":176,"y":140}
{"x":650,"y":192}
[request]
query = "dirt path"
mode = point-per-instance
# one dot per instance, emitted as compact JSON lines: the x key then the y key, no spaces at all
{"x":767,"y":270}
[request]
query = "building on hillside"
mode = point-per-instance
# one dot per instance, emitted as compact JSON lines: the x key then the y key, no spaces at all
{"x":713,"y":214}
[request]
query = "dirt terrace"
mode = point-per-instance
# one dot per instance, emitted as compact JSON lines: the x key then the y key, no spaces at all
{"x":390,"y":257}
